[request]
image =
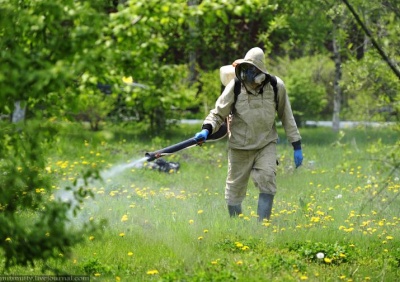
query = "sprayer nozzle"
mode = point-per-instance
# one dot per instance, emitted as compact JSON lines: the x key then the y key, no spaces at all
{"x":150,"y":157}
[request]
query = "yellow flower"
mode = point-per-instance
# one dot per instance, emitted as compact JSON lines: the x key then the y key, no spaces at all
{"x":122,"y":234}
{"x":191,"y":221}
{"x":200,"y":212}
{"x":124,"y":218}
{"x":303,"y":277}
{"x":238,"y":244}
{"x":152,"y":272}
{"x":8,"y":239}
{"x":130,"y":254}
{"x":205,"y":231}
{"x":389,"y":237}
{"x":200,"y":238}
{"x":117,"y":278}
{"x":91,"y":238}
{"x":239,"y":262}
{"x":245,"y":248}
{"x":327,"y":260}
{"x":97,"y":274}
{"x":214,"y":262}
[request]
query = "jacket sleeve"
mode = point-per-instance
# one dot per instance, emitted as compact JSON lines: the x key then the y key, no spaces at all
{"x":285,"y":114}
{"x":222,"y":109}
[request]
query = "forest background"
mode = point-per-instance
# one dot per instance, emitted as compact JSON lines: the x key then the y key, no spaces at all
{"x":155,"y":62}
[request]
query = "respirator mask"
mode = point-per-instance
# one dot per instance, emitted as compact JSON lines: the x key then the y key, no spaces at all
{"x":250,"y":75}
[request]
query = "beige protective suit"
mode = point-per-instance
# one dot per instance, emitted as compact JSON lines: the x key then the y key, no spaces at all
{"x":253,"y":135}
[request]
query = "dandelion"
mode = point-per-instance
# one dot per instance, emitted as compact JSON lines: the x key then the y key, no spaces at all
{"x":389,"y":237}
{"x":214,"y":262}
{"x":327,"y":260}
{"x":315,"y":219}
{"x":97,"y":274}
{"x":91,"y":238}
{"x":200,"y":212}
{"x":117,"y":278}
{"x":205,"y":230}
{"x":124,"y":218}
{"x":245,"y":248}
{"x":303,"y":277}
{"x":191,"y":221}
{"x":239,"y":262}
{"x":152,"y":272}
{"x":130,"y":254}
{"x":238,"y":244}
{"x":200,"y":238}
{"x":8,"y":239}
{"x":122,"y":234}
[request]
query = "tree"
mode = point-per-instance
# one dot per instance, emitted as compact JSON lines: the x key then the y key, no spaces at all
{"x":48,"y":49}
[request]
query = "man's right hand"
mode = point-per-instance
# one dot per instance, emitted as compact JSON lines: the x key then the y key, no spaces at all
{"x":201,"y":136}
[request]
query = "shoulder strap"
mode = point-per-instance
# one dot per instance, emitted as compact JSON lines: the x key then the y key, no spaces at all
{"x":236,"y":91}
{"x":274,"y":84}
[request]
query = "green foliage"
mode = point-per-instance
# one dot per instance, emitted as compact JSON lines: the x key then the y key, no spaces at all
{"x":308,"y":81}
{"x":371,"y":91}
{"x":210,"y":90}
{"x":35,"y":224}
{"x":46,"y":46}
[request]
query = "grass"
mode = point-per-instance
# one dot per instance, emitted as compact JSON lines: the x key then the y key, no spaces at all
{"x":175,"y":226}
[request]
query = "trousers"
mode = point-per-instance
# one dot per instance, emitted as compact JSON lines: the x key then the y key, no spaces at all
{"x":259,"y":164}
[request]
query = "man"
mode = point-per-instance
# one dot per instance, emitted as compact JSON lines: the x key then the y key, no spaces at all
{"x":252,"y":132}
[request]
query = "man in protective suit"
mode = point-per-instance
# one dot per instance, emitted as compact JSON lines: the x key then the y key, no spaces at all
{"x":252,"y":132}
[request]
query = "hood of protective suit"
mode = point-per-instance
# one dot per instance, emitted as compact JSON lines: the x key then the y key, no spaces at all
{"x":255,"y":57}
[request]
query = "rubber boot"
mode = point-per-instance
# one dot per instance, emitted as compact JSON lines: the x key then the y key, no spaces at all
{"x":234,"y":210}
{"x":264,"y":209}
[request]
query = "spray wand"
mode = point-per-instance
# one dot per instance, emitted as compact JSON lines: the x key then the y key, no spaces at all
{"x":151,"y":156}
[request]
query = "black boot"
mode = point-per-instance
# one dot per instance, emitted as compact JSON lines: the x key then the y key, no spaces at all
{"x":264,"y":209}
{"x":234,"y":210}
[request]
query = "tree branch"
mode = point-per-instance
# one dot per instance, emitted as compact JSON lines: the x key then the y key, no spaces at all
{"x":381,"y":52}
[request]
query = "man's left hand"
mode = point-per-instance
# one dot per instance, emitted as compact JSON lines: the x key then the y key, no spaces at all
{"x":298,"y":157}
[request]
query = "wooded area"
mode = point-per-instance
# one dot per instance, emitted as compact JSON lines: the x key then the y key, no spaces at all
{"x":338,"y":60}
{"x":149,"y":62}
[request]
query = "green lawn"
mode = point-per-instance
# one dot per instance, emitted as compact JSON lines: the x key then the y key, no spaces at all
{"x":175,"y":226}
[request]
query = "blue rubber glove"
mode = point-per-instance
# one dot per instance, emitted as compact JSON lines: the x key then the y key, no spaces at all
{"x":298,"y":157}
{"x":201,"y":136}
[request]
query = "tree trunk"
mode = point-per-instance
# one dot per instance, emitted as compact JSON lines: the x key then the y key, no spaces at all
{"x":192,"y":52}
{"x":337,"y":98}
{"x":18,"y":113}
